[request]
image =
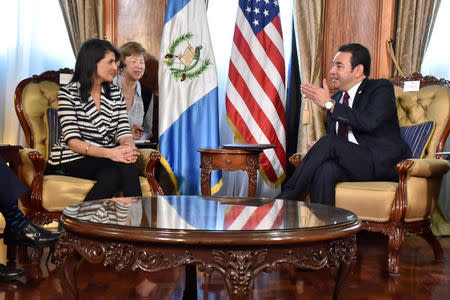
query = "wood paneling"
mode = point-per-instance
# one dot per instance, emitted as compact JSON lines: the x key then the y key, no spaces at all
{"x":368,"y":22}
{"x":141,"y":21}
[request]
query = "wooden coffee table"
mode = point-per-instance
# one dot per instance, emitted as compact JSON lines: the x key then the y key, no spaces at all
{"x":163,"y":232}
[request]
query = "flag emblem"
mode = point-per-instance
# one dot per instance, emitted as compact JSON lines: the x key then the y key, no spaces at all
{"x":186,"y":64}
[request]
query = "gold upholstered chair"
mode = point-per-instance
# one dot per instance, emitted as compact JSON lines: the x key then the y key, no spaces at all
{"x":394,"y":208}
{"x":36,"y":101}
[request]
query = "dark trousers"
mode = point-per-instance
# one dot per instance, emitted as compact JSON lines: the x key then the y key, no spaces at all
{"x":111,"y":176}
{"x":331,"y":160}
{"x":11,"y":188}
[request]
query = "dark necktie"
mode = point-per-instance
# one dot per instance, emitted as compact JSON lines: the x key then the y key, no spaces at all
{"x":342,"y":127}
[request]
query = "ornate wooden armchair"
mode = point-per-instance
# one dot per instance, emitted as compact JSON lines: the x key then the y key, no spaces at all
{"x":49,"y":194}
{"x":394,"y":208}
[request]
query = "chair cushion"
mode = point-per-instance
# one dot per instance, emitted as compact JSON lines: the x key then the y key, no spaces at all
{"x":370,"y":201}
{"x":373,"y":200}
{"x":417,"y":137}
{"x":74,"y":190}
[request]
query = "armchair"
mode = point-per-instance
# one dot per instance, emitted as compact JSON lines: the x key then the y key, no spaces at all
{"x":394,"y":208}
{"x":49,"y":194}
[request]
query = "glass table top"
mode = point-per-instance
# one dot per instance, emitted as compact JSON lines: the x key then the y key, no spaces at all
{"x":208,"y":213}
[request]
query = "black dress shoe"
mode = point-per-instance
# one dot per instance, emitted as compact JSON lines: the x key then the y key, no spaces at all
{"x":7,"y":274}
{"x":29,"y":234}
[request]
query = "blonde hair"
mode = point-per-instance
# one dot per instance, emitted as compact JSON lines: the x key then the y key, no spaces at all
{"x":131,"y":48}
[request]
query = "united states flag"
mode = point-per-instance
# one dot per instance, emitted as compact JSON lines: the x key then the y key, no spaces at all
{"x":268,"y":216}
{"x":255,"y":98}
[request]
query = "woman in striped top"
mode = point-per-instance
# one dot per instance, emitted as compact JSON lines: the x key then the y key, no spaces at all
{"x":96,"y":141}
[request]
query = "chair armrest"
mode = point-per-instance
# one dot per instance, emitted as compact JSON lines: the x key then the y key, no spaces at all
{"x":426,"y":168}
{"x":429,"y":167}
{"x":31,"y":172}
{"x":295,"y":159}
{"x":147,"y":162}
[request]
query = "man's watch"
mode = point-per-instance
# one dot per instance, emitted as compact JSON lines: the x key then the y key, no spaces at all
{"x":329,"y":105}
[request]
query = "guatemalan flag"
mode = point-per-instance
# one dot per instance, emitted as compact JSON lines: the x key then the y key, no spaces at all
{"x":188,"y":96}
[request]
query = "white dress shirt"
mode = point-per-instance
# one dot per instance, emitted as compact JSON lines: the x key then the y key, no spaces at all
{"x":352,"y":93}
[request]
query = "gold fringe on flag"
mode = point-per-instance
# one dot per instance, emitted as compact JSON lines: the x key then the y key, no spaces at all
{"x":239,"y":139}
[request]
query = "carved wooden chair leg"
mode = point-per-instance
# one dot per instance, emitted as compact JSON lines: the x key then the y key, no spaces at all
{"x":396,"y":237}
{"x":432,"y":240}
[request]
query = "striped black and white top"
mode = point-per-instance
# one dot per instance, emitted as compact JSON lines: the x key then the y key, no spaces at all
{"x":82,"y":120}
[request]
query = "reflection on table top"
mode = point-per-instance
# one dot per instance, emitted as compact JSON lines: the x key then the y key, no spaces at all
{"x":208,"y":213}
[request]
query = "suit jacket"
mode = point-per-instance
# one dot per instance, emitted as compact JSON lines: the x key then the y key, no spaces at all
{"x":374,"y":122}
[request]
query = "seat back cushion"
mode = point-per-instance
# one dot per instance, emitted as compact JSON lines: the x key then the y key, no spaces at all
{"x":36,"y":99}
{"x":430,"y":103}
{"x":417,"y":137}
{"x":53,"y":127}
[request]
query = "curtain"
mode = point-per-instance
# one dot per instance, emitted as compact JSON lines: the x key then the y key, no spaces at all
{"x":32,"y":40}
{"x":309,"y":25}
{"x":415,"y":20}
{"x":436,"y":62}
{"x":84,"y":20}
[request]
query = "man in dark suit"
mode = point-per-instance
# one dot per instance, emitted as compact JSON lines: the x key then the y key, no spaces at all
{"x":18,"y":230}
{"x":363,"y":141}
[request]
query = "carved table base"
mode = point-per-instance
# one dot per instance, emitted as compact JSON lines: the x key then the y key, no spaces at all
{"x":238,"y":266}
{"x":228,"y":160}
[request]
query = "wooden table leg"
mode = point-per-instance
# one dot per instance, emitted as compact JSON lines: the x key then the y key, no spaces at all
{"x":206,"y":168}
{"x":346,"y":263}
{"x":67,"y":275}
{"x":252,"y":168}
{"x":342,"y":274}
{"x":190,"y":287}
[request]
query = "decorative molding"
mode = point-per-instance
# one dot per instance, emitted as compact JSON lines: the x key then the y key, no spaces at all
{"x":342,"y":251}
{"x":239,"y":268}
{"x":152,"y":261}
{"x":424,"y":80}
{"x":64,"y":248}
{"x":314,"y":259}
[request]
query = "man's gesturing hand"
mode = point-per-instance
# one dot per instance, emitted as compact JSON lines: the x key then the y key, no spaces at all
{"x":319,"y":95}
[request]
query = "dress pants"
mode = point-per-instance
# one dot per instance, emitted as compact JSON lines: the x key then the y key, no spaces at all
{"x":332,"y":159}
{"x":112,"y":177}
{"x":11,"y":188}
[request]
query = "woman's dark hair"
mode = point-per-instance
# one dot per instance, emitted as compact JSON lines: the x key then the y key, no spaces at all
{"x":91,"y":52}
{"x":360,"y":56}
